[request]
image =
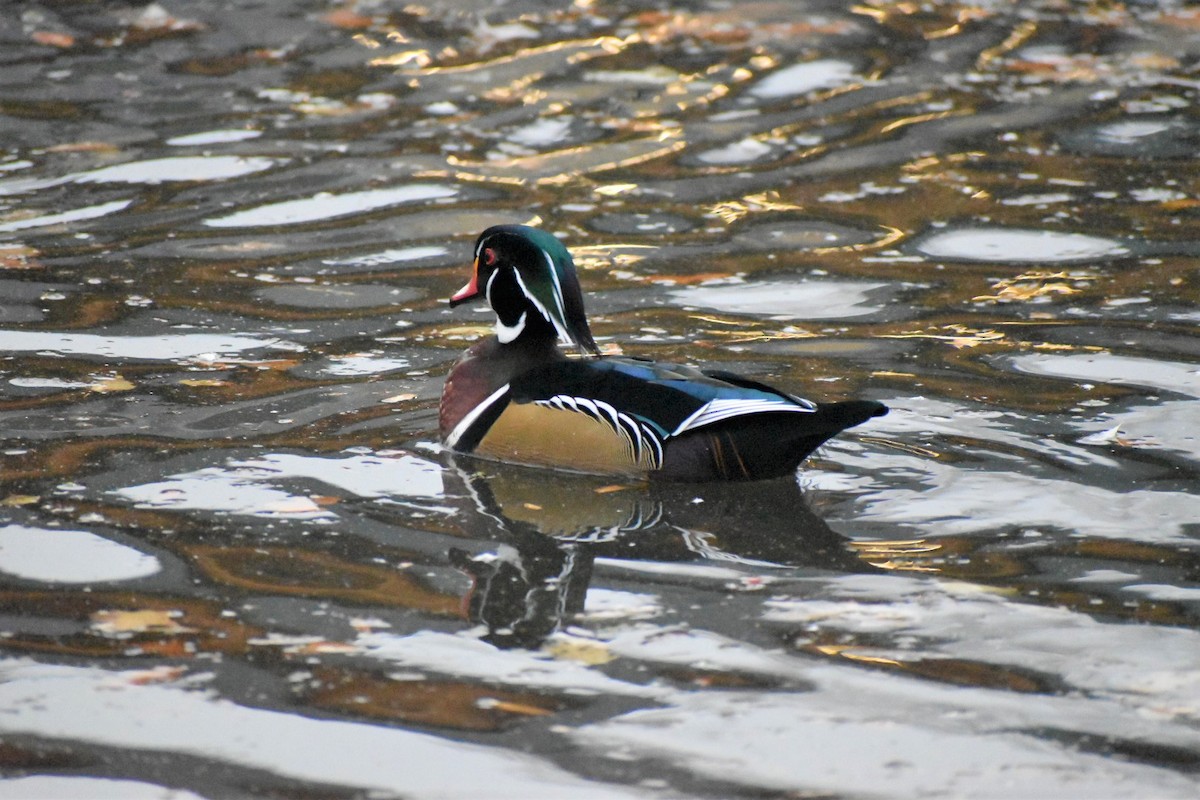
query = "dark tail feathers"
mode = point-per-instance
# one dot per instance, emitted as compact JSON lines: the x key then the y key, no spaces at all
{"x":761,"y":446}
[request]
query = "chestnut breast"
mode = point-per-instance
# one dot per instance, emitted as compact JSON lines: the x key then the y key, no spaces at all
{"x":485,"y":367}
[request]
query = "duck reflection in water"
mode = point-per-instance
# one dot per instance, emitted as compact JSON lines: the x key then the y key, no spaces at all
{"x":552,"y":526}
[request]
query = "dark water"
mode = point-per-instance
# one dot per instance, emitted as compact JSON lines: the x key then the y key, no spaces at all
{"x":236,"y":563}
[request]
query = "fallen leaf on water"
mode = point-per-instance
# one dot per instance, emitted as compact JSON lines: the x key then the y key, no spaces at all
{"x":83,"y":147}
{"x":346,"y":19}
{"x":491,"y":703}
{"x":201,"y":382}
{"x":53,"y":38}
{"x":14,"y":500}
{"x":18,"y":256}
{"x":145,"y":677}
{"x":141,"y":621}
{"x":111,"y":383}
{"x":581,"y":650}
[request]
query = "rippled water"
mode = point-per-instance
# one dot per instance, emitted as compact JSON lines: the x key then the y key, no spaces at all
{"x":235,"y":562}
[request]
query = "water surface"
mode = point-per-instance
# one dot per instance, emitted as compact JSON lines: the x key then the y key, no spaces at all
{"x":235,"y":562}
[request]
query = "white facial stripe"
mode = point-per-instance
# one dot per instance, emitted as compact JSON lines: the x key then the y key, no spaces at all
{"x":554,"y":320}
{"x":487,"y":288}
{"x":558,"y":295}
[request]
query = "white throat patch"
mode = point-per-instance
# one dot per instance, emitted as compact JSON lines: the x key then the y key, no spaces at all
{"x":509,"y":333}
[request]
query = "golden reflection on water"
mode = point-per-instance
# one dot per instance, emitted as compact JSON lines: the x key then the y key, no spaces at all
{"x":575,"y":51}
{"x":664,"y":87}
{"x":1037,"y":284}
{"x":562,"y":166}
{"x":445,"y":705}
{"x":917,"y":119}
{"x":905,"y":555}
{"x":959,"y":336}
{"x":731,"y":211}
{"x":289,"y":572}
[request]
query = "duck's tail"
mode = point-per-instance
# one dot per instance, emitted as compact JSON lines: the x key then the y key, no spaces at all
{"x":839,"y":416}
{"x":759,"y":446}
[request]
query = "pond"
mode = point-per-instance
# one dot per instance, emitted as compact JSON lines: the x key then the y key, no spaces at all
{"x":235,"y":560}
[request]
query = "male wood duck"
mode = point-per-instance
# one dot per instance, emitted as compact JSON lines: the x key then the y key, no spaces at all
{"x":516,"y":397}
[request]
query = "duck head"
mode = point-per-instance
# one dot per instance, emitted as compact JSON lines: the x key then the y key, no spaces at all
{"x":528,"y":278}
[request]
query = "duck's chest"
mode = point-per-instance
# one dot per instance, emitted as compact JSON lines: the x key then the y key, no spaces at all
{"x":479,"y":415}
{"x":467,"y":385}
{"x":484,"y":369}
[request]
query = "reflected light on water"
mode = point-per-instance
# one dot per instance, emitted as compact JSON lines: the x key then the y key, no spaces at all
{"x":329,"y":206}
{"x":228,"y":241}
{"x":800,"y":300}
{"x":62,"y":556}
{"x":20,"y":223}
{"x":1019,"y":246}
{"x":139,"y":348}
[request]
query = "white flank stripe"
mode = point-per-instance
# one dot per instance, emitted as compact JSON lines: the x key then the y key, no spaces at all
{"x":637,"y":436}
{"x":718,"y":410}
{"x":466,"y":422}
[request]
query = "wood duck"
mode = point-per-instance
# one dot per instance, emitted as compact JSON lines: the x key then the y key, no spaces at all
{"x":516,"y":397}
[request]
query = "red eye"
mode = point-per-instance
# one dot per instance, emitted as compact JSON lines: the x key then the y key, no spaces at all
{"x":489,"y":256}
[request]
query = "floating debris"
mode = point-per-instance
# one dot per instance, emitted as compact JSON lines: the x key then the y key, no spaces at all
{"x":959,"y":336}
{"x":1035,"y":285}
